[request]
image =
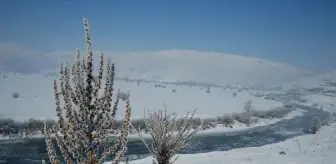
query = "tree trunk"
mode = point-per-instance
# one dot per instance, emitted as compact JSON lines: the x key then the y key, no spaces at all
{"x":91,"y":159}
{"x":163,"y":157}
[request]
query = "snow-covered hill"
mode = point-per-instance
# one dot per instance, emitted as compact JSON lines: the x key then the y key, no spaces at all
{"x":166,"y":65}
{"x":206,"y":67}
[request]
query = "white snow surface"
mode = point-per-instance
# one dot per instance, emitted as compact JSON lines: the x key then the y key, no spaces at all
{"x":327,"y":103}
{"x":308,"y":149}
{"x":37,"y":98}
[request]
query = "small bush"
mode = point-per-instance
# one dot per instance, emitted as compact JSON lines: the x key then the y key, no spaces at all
{"x":138,"y":123}
{"x":208,"y":90}
{"x":226,"y":120}
{"x":316,"y":124}
{"x":166,"y":143}
{"x":122,"y":96}
{"x":234,"y":94}
{"x":196,"y":122}
{"x":15,"y":95}
{"x":248,"y":106}
{"x":244,"y":118}
{"x":315,"y":105}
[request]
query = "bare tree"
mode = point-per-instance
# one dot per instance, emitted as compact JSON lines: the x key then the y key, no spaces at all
{"x":88,"y":117}
{"x":166,"y":134}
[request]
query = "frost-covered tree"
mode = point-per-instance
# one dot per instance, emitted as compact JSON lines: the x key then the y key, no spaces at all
{"x":86,"y":116}
{"x":169,"y":134}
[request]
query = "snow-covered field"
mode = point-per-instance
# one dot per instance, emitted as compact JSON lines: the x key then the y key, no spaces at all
{"x":324,"y":102}
{"x":37,"y":99}
{"x":308,"y":149}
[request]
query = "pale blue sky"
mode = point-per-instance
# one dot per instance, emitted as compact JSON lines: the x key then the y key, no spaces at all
{"x":299,"y":32}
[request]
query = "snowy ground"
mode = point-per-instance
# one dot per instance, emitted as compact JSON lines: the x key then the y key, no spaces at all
{"x":324,"y":102}
{"x":307,"y":149}
{"x":37,"y":99}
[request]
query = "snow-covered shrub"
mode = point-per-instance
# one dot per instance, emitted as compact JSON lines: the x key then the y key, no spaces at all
{"x":138,"y":82}
{"x":208,"y":90}
{"x":315,"y":105}
{"x":123,"y":96}
{"x":330,"y":119}
{"x":316,"y":124}
{"x":7,"y":126}
{"x":86,"y":117}
{"x":162,"y":126}
{"x":244,"y":117}
{"x":208,"y":120}
{"x":248,"y":106}
{"x":173,"y":90}
{"x":226,"y":120}
{"x":269,"y":97}
{"x":196,"y":122}
{"x":289,"y":105}
{"x":15,"y":95}
{"x":277,"y":112}
{"x":138,"y":123}
{"x":234,"y":94}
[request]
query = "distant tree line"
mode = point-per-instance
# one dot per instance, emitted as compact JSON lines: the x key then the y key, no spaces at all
{"x":10,"y":127}
{"x":31,"y":126}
